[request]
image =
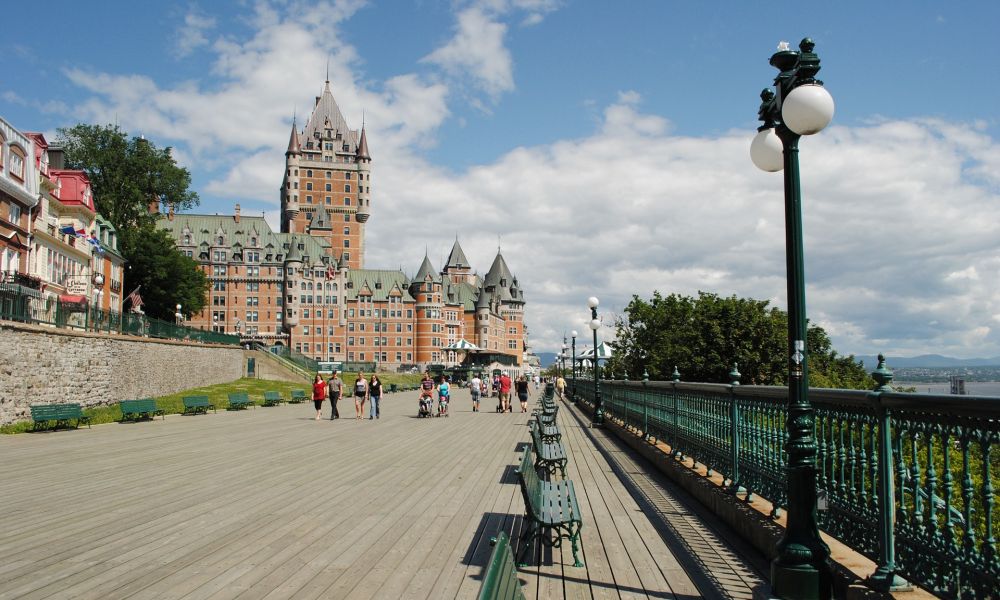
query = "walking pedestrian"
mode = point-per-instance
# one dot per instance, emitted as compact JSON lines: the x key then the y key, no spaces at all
{"x":505,"y":385}
{"x":375,"y":395}
{"x":335,"y":386}
{"x":522,"y":392}
{"x":475,"y":388}
{"x":319,"y":393}
{"x":560,"y":386}
{"x":360,"y":395}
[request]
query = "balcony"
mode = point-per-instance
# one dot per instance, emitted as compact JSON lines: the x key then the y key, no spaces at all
{"x":22,"y":279}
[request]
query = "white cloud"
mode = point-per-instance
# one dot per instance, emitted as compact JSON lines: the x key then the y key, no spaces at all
{"x":192,"y":35}
{"x":477,"y":49}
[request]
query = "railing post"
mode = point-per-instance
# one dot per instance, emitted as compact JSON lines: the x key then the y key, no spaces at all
{"x":645,"y":406}
{"x":676,"y":378}
{"x":885,"y":578}
{"x":734,"y":432}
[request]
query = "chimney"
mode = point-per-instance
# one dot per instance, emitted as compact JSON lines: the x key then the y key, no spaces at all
{"x":236,"y":213}
{"x":170,"y":213}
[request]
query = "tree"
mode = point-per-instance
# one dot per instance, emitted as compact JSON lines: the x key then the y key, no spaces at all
{"x":127,"y":175}
{"x":705,"y":336}
{"x":167,"y":277}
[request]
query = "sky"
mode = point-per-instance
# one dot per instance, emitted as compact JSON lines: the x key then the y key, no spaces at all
{"x":604,"y":146}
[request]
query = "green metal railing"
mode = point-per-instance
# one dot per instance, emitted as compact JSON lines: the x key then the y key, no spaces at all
{"x":298,"y":358}
{"x":27,"y":308}
{"x":905,"y":479}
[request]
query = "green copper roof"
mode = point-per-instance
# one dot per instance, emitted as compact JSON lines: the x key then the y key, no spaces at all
{"x":381,"y":282}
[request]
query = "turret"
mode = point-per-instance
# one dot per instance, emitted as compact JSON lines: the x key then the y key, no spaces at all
{"x":293,"y":275}
{"x":363,"y":161}
{"x":289,"y":184}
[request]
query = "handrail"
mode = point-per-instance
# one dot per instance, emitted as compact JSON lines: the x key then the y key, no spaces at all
{"x":905,"y":479}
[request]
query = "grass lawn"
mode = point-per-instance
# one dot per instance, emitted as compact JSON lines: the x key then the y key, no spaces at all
{"x":219,"y":396}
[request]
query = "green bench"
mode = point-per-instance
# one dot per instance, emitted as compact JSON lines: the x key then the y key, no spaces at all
{"x":551,"y":511}
{"x":549,"y":456}
{"x":58,"y":414}
{"x":547,"y":427}
{"x":500,"y":581}
{"x":135,"y":410}
{"x":298,"y":396}
{"x":272,"y":398}
{"x":239,"y":401}
{"x":194,"y":405}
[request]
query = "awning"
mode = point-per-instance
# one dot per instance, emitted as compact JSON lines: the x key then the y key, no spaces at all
{"x":462,"y":345}
{"x":68,"y":299}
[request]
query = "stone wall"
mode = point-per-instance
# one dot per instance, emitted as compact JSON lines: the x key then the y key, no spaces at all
{"x":40,"y":365}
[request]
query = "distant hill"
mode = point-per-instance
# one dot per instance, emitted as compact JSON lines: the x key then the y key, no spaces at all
{"x":546,"y":358}
{"x":928,"y":361}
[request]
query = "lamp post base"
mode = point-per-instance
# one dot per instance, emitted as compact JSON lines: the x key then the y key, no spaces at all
{"x":799,"y":582}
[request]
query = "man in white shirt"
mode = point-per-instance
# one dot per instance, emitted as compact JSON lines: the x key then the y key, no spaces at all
{"x":475,"y":387}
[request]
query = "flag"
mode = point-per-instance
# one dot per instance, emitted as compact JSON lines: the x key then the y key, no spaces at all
{"x":96,"y":244}
{"x":135,"y":299}
{"x":81,"y":233}
{"x":68,"y":230}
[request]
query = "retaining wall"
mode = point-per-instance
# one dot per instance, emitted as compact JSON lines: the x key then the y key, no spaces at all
{"x":39,"y":364}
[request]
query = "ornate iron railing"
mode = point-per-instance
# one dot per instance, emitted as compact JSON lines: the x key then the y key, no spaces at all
{"x":905,"y":479}
{"x":27,"y":308}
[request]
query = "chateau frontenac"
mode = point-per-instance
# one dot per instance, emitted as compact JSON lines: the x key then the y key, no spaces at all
{"x":307,"y":287}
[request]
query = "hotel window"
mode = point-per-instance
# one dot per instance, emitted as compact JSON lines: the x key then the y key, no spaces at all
{"x":347,"y":231}
{"x":347,"y":201}
{"x":309,"y":186}
{"x":15,"y":214}
{"x":17,"y":162}
{"x":329,"y":187}
{"x":329,"y":200}
{"x":347,"y":243}
{"x":347,"y":188}
{"x":309,"y":173}
{"x":309,"y":200}
{"x":347,"y":175}
{"x":329,"y":174}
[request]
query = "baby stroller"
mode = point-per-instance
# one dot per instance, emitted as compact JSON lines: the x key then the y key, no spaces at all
{"x":443,"y":406}
{"x":424,"y":409}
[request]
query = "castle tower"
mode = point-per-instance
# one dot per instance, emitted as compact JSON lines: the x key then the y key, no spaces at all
{"x":426,"y":290}
{"x":457,"y":269}
{"x":293,"y":275}
{"x":289,"y":183}
{"x":328,"y":168}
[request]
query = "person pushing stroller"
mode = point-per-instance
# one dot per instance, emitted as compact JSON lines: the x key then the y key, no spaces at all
{"x":426,"y":400}
{"x":444,"y":395}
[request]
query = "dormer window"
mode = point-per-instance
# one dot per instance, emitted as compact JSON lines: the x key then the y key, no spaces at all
{"x":187,"y":240}
{"x":220,"y":241}
{"x":253,"y":242}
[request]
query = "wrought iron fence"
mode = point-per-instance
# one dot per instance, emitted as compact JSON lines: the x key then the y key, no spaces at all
{"x":16,"y":305}
{"x":907,"y":479}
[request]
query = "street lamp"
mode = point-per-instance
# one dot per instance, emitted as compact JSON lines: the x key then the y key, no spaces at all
{"x":179,"y":315}
{"x":595,"y":324}
{"x":565,"y":355}
{"x":215,"y":322}
{"x":572,"y":389}
{"x":799,"y":105}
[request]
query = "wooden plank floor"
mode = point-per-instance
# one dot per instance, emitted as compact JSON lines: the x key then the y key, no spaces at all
{"x":269,"y":503}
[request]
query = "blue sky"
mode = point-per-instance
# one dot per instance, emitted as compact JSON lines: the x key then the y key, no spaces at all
{"x":605,"y":143}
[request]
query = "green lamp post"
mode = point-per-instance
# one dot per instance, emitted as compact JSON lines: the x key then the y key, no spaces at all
{"x":572,"y":388}
{"x":798,"y":105}
{"x":595,"y":324}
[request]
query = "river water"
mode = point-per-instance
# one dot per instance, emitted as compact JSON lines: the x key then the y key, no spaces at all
{"x":972,"y":388}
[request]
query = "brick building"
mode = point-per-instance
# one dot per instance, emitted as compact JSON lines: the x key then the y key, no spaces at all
{"x":307,"y":287}
{"x":54,"y":246}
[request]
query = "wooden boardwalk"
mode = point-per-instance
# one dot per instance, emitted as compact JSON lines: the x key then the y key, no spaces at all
{"x":269,"y":503}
